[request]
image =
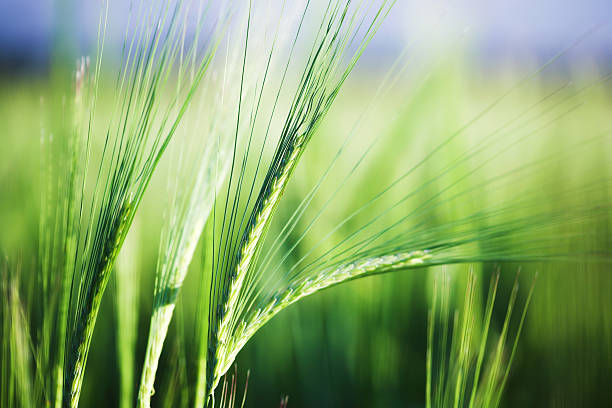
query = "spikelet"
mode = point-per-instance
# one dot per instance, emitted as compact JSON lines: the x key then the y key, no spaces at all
{"x":136,"y":137}
{"x":317,"y":89}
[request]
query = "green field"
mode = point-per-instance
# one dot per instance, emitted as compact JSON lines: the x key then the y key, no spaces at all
{"x":469,"y":176}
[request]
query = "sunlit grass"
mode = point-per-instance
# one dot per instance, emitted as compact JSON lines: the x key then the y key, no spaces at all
{"x":291,"y":176}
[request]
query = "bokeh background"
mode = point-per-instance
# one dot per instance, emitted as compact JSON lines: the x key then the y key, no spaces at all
{"x":364,"y":343}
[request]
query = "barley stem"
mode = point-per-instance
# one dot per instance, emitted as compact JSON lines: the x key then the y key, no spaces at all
{"x":157,"y":334}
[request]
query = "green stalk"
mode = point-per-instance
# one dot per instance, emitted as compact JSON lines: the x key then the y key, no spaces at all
{"x":318,"y":87}
{"x":86,"y":318}
{"x":160,"y":321}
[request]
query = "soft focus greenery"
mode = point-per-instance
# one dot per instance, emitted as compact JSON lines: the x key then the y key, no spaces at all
{"x":491,"y":174}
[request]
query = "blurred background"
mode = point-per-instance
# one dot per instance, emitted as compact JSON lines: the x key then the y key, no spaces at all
{"x":364,"y":343}
{"x":33,"y":32}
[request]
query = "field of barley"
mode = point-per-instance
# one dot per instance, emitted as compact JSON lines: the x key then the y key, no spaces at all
{"x":330,"y":203}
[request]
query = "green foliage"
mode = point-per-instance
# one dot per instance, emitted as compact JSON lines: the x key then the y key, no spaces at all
{"x":287,"y":191}
{"x":17,"y":378}
{"x":135,"y":137}
{"x":127,"y":279}
{"x":234,"y":274}
{"x":464,"y":367}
